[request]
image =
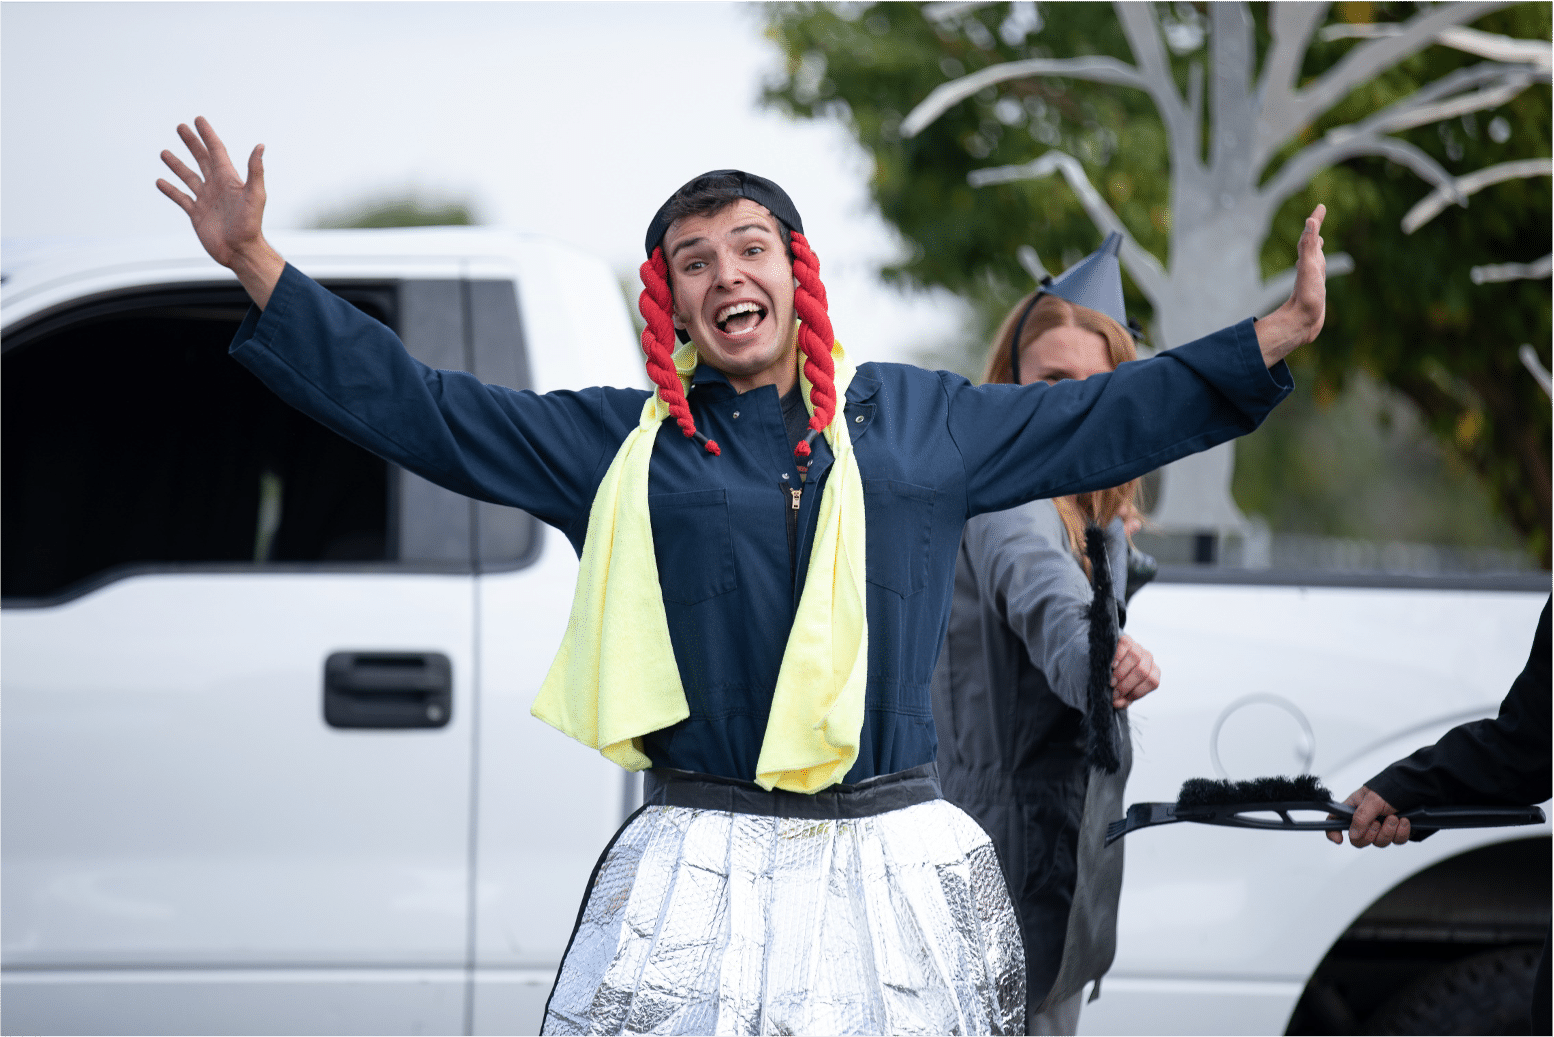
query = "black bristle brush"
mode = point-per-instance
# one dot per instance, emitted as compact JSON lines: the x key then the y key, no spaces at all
{"x":1226,"y":802}
{"x":1103,"y":734}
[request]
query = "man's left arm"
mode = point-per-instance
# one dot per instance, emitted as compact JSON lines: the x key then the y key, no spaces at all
{"x":1021,"y":443}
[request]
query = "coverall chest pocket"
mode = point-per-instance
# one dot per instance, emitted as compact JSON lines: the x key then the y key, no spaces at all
{"x":693,"y":545}
{"x":900,"y":520}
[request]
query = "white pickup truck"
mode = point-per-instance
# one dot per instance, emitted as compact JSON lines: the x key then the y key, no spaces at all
{"x":267,"y":759}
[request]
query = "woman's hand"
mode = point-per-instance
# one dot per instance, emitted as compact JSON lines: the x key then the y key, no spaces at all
{"x":226,"y":211}
{"x":1134,"y":672}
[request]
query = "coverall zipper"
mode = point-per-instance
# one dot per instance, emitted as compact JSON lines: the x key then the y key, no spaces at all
{"x":795,"y":496}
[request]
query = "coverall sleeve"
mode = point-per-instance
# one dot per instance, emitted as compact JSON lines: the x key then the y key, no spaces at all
{"x":1020,"y":443}
{"x":545,"y":453}
{"x":1022,"y":563}
{"x":1503,"y":760}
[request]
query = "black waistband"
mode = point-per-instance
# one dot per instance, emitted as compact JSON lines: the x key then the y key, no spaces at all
{"x":664,"y":786}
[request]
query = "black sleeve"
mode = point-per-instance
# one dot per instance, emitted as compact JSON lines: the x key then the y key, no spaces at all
{"x":1504,"y":760}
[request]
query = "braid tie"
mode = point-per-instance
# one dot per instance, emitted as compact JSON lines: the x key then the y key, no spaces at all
{"x":815,"y":338}
{"x":655,"y":305}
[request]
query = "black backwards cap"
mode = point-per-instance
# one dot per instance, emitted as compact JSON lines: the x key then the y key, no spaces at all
{"x":1095,"y":282}
{"x":746,"y":185}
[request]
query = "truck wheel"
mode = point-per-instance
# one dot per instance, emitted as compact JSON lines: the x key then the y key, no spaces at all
{"x":1486,"y":993}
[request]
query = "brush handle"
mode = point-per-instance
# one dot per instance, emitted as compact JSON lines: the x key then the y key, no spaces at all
{"x":1233,"y":815}
{"x":1473,"y":817}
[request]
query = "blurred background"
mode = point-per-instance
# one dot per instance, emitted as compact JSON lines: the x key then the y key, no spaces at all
{"x":1418,"y":439}
{"x":194,"y":845}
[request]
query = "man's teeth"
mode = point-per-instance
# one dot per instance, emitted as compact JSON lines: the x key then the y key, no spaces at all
{"x":730,"y":312}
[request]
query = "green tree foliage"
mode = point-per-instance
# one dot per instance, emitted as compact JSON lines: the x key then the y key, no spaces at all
{"x":405,"y":211}
{"x":1409,"y":315}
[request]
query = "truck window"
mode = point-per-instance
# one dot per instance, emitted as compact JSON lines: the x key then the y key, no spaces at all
{"x":133,"y":442}
{"x":506,"y":538}
{"x":131,"y":439}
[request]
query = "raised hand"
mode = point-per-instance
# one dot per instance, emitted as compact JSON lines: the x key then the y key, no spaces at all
{"x":226,"y":211}
{"x":1300,"y":318}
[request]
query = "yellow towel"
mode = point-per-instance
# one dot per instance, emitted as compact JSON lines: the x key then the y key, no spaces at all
{"x":615,"y":679}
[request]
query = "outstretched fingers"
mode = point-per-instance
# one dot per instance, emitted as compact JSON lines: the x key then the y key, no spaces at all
{"x":256,"y":169}
{"x":1311,"y":243}
{"x":196,"y":148}
{"x":182,"y":200}
{"x":213,"y":145}
{"x":183,"y":172}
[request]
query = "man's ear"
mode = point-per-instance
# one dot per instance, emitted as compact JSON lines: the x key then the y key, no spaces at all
{"x":679,"y":329}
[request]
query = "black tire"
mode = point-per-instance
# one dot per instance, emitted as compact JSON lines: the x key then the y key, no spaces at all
{"x":1489,"y":993}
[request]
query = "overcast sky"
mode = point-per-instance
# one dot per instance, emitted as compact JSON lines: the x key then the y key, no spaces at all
{"x":570,"y":119}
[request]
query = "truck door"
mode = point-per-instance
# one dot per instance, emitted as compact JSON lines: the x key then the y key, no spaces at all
{"x":237,"y":666}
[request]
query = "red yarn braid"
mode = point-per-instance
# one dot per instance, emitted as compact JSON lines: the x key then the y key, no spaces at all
{"x":655,"y":304}
{"x":815,"y":337}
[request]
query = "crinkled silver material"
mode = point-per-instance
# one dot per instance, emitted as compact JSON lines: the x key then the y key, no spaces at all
{"x":708,"y":922}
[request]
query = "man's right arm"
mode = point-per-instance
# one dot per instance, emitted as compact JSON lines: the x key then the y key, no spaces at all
{"x":544,"y":453}
{"x":226,"y":211}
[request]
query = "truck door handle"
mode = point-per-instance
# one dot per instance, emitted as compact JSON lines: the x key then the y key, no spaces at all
{"x":388,"y":689}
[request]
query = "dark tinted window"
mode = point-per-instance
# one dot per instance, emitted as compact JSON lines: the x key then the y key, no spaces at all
{"x":131,"y":438}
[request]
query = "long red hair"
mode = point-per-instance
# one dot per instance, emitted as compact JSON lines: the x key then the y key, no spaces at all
{"x":1097,"y":506}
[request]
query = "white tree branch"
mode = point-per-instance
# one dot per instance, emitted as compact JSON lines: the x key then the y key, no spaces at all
{"x":1291,"y":24}
{"x":1277,"y":288}
{"x":1338,"y":146}
{"x":1496,"y":272}
{"x":1233,"y":108}
{"x":1193,"y":145}
{"x":948,"y":9}
{"x":1366,"y":61}
{"x":1498,"y":47}
{"x":1031,"y":262}
{"x":1143,"y":32}
{"x":1490,"y":45}
{"x":1143,"y":267}
{"x":1529,"y":358}
{"x":1488,"y":85}
{"x":1433,"y":203}
{"x":947,"y":95}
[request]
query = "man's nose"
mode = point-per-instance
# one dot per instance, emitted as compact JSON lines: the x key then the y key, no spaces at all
{"x":729,"y":271}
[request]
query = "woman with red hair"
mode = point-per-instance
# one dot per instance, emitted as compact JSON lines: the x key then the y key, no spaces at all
{"x":766,"y":553}
{"x":1034,"y":674}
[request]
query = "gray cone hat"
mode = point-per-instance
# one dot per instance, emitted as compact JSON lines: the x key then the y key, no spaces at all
{"x":1095,"y":281}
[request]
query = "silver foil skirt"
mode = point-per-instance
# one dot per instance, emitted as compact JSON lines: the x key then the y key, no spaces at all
{"x":707,"y":922}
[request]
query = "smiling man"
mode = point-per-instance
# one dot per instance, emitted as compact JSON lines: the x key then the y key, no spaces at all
{"x":733,"y":294}
{"x":760,"y":599}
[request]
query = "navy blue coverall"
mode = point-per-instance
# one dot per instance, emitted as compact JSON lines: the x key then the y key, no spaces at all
{"x":932,"y":449}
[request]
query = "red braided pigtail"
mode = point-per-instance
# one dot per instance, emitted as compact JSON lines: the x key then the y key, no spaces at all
{"x":815,"y":339}
{"x":655,"y":305}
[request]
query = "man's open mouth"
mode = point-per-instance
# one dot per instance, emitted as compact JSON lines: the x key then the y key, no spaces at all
{"x":740,"y":318}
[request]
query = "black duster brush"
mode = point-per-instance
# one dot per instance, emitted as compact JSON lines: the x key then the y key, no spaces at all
{"x":1228,"y":802}
{"x":1103,"y":732}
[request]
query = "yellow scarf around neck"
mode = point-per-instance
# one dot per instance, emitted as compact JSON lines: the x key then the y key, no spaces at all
{"x":614,"y":678}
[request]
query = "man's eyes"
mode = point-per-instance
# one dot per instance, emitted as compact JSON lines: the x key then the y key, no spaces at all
{"x":694,"y":265}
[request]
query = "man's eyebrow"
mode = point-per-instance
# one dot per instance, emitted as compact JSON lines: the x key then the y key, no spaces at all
{"x":742,"y":228}
{"x":684,"y":243}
